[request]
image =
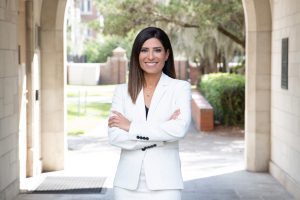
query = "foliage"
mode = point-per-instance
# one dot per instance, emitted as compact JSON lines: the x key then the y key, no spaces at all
{"x":99,"y":51}
{"x":206,"y":31}
{"x":226,"y":93}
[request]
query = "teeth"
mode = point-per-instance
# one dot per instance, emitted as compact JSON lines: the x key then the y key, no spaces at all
{"x":151,"y":64}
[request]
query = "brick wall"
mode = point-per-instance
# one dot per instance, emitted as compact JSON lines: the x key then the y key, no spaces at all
{"x":202,"y":112}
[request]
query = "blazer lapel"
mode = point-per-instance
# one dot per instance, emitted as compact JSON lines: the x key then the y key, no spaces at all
{"x":140,"y":105}
{"x":158,"y":93}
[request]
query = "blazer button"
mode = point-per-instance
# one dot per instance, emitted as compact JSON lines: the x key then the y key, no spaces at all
{"x":144,"y":138}
{"x":147,"y":138}
{"x":137,"y":137}
{"x":143,"y":149}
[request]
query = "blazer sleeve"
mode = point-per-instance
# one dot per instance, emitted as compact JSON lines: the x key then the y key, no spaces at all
{"x":118,"y":137}
{"x":170,"y":130}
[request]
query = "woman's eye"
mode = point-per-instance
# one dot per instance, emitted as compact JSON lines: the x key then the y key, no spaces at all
{"x":144,"y":50}
{"x":157,"y":50}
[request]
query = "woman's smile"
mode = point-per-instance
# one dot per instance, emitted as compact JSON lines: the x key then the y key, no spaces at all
{"x":151,"y":64}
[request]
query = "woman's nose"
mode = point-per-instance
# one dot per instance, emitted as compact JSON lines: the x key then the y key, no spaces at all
{"x":150,"y":55}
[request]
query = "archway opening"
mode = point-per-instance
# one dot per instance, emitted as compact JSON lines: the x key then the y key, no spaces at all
{"x":53,"y":86}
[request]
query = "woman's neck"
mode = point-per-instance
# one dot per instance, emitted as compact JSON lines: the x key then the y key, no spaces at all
{"x":151,"y":80}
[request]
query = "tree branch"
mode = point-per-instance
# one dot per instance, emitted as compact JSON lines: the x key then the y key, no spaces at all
{"x":175,"y":21}
{"x":220,"y":28}
{"x":231,"y":36}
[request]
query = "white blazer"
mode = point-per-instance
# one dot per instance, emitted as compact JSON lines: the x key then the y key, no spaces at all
{"x":152,"y":141}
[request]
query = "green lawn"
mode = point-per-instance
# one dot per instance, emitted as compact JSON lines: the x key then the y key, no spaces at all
{"x":85,"y":115}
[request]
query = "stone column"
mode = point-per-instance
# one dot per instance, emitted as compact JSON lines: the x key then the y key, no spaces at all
{"x":22,"y":90}
{"x":33,"y":166}
{"x":53,"y":82}
{"x":258,"y":84}
{"x":118,"y":66}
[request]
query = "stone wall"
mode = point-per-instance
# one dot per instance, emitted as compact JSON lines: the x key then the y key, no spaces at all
{"x":285,"y":103}
{"x":9,"y":160}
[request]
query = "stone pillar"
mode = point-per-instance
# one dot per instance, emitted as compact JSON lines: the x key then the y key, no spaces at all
{"x":118,"y":66}
{"x":33,"y":166}
{"x":22,"y":90}
{"x":53,"y":82}
{"x":105,"y":72}
{"x":114,"y":71}
{"x":9,"y":107}
{"x":258,"y":84}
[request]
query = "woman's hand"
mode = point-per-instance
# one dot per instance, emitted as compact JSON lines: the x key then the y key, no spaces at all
{"x":175,"y":115}
{"x":118,"y":120}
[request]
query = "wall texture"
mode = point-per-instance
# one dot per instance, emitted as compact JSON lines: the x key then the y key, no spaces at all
{"x":285,"y":103}
{"x":9,"y":162}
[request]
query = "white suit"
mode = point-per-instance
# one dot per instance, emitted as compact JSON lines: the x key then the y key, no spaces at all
{"x":152,"y":141}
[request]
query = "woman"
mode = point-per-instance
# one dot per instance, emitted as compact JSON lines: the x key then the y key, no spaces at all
{"x":148,"y":117}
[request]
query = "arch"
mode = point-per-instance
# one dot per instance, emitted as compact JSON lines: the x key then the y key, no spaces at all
{"x":258,"y":84}
{"x":53,"y":80}
{"x":258,"y":78}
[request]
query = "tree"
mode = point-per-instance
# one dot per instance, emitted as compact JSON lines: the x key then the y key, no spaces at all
{"x":210,"y":31}
{"x":98,"y":51}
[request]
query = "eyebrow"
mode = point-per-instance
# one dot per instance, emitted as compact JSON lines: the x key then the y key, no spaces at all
{"x":152,"y":47}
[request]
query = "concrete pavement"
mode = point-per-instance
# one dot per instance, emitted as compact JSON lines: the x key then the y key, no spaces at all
{"x":212,"y":165}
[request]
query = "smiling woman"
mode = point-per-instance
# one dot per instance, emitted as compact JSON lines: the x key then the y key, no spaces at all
{"x":153,"y":57}
{"x":148,"y":118}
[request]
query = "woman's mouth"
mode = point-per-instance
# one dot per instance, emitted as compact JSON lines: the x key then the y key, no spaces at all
{"x":150,"y":64}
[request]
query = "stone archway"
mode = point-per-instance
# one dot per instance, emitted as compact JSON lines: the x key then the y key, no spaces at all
{"x":258,"y":78}
{"x":53,"y":80}
{"x":258,"y":84}
{"x":258,"y":26}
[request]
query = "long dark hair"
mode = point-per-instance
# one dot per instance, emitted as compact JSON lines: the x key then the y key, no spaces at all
{"x":136,"y":74}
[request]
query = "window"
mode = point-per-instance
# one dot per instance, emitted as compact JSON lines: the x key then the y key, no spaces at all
{"x":86,"y":6}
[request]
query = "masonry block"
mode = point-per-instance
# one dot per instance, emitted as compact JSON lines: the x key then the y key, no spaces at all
{"x":202,"y":112}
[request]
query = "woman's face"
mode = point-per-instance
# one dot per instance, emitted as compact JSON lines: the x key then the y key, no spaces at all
{"x":152,"y":56}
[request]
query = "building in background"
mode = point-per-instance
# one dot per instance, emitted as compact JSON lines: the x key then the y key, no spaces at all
{"x":84,"y":23}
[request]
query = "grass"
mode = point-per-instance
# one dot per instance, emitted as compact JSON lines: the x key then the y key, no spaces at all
{"x":84,"y":115}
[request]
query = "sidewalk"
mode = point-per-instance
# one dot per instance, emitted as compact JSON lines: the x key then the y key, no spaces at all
{"x":212,"y":165}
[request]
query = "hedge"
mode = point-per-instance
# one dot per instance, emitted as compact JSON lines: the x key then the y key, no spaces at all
{"x":226,"y":93}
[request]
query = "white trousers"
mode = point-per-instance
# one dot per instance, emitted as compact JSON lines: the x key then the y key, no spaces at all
{"x":143,"y":193}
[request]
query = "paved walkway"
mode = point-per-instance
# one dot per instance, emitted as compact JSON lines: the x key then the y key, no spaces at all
{"x":212,"y":165}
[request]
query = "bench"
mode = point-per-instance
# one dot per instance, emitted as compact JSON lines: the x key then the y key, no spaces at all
{"x":202,"y":112}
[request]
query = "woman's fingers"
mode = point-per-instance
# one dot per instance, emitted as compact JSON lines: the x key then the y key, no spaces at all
{"x":118,"y":120}
{"x":117,"y":113}
{"x":113,"y":121}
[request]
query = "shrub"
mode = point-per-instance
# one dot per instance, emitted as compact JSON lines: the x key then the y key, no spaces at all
{"x":98,"y":51}
{"x":226,"y":93}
